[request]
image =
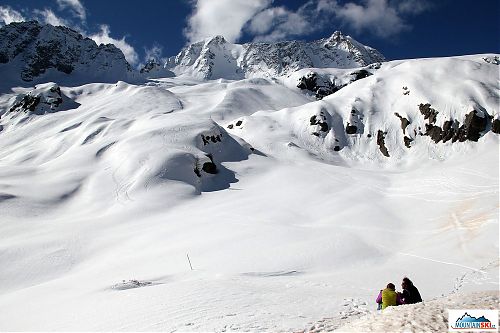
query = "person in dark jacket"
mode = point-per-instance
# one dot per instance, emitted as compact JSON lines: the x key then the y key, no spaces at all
{"x":410,"y":294}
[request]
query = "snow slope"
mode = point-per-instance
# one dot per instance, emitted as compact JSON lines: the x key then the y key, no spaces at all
{"x":102,"y":198}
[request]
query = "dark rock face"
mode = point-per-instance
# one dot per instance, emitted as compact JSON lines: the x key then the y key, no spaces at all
{"x":320,"y":87}
{"x":324,"y":85}
{"x":381,"y":143}
{"x":495,"y":126}
{"x":435,"y":132}
{"x":404,"y":122}
{"x":39,"y":102}
{"x":355,"y":123}
{"x":211,"y":138}
{"x":27,"y":103}
{"x":150,"y":65}
{"x":320,"y":120}
{"x":308,"y":82}
{"x":495,"y":60}
{"x":407,"y":141}
{"x":209,"y":167}
{"x":450,"y":128}
{"x":238,"y":123}
{"x":428,"y":112}
{"x":474,"y":124}
{"x":41,"y":47}
{"x":361,"y":74}
{"x":351,"y":129}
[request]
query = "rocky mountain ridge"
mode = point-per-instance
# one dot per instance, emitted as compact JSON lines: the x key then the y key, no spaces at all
{"x":216,"y":58}
{"x":30,"y":51}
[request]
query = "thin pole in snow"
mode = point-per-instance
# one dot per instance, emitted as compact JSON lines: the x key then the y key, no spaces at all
{"x":187,"y":255}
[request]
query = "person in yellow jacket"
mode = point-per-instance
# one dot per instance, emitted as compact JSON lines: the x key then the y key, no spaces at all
{"x":389,"y":297}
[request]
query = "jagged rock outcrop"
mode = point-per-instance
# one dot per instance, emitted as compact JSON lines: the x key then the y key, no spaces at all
{"x":381,"y":143}
{"x":46,"y":98}
{"x":216,"y":58}
{"x":153,"y":69}
{"x":30,"y":50}
{"x":319,"y":123}
{"x":495,"y":126}
{"x":322,"y":85}
{"x":474,"y":123}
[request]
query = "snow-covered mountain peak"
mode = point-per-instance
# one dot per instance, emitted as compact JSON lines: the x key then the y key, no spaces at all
{"x":215,"y":40}
{"x":337,"y":35}
{"x":216,"y":58}
{"x":30,"y":51}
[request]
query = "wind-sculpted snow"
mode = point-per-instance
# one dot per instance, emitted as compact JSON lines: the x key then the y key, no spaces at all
{"x":216,"y":58}
{"x":136,"y":132}
{"x":289,"y":210}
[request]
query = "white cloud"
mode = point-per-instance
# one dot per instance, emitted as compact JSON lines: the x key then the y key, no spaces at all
{"x":155,"y":52}
{"x":103,"y":37}
{"x":75,"y":6}
{"x":376,"y":16}
{"x":413,"y":7}
{"x":266,"y":19}
{"x":9,"y":15}
{"x":222,"y":17}
{"x":49,"y":17}
{"x":230,"y":18}
{"x":278,"y":23}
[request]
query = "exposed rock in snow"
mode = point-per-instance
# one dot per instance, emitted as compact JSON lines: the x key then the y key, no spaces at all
{"x":46,"y":98}
{"x":322,"y":85}
{"x":216,"y":58}
{"x":381,"y":143}
{"x":495,"y":126}
{"x":494,"y":60}
{"x":153,"y":69}
{"x":403,"y":123}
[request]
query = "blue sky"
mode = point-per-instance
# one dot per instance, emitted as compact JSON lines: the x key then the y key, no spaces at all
{"x":399,"y":29}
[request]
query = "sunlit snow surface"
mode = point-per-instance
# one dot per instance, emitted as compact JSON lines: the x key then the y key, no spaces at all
{"x":100,"y":204}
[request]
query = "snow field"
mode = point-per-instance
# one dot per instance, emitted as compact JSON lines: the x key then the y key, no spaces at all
{"x":287,"y":232}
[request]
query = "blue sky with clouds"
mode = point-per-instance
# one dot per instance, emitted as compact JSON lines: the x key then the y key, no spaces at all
{"x":399,"y":29}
